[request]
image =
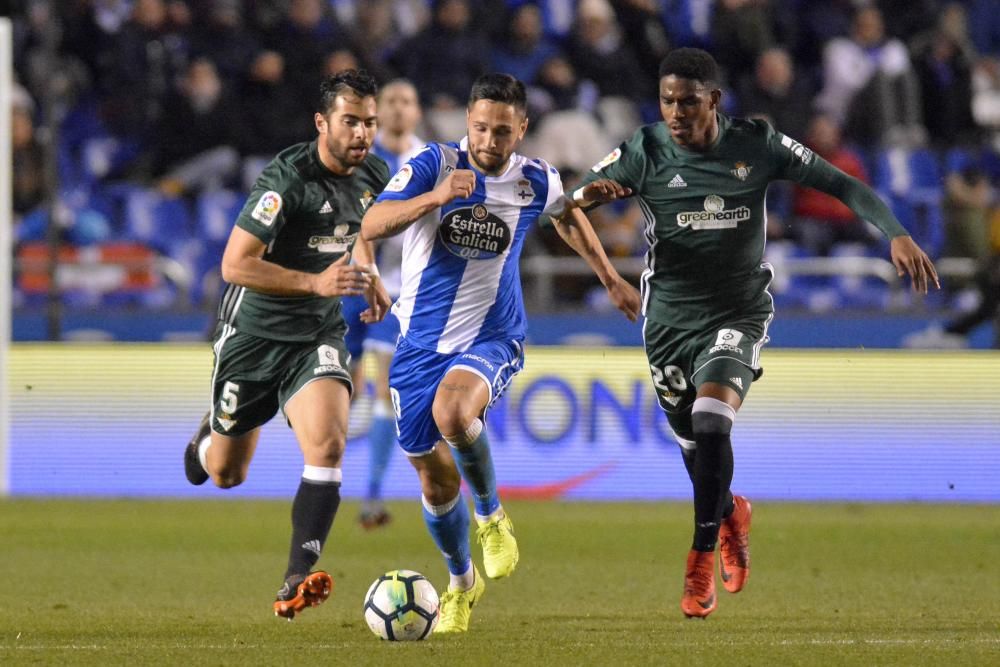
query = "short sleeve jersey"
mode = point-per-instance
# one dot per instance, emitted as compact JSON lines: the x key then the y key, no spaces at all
{"x":705,"y":218}
{"x":308,"y":217}
{"x":460,"y":280}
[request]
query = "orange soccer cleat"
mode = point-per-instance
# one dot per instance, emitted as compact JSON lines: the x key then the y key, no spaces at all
{"x":310,"y":591}
{"x":734,"y":546}
{"x":698,"y":600}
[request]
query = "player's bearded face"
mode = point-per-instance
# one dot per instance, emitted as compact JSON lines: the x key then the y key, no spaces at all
{"x":494,"y":129}
{"x":688,"y":108}
{"x":349,"y":129}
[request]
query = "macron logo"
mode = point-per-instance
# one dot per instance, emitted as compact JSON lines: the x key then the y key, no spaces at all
{"x":326,"y":208}
{"x":313,"y":546}
{"x":677,"y":182}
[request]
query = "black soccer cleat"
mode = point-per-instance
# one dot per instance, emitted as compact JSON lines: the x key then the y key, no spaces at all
{"x":192,"y":465}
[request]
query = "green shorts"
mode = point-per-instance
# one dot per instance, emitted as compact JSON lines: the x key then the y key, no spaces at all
{"x":255,"y":376}
{"x":681,"y":360}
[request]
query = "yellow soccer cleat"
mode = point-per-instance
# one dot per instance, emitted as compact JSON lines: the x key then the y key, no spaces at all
{"x":499,"y":546}
{"x":456,"y":606}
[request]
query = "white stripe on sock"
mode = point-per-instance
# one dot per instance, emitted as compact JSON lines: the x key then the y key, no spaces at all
{"x":440,"y":510}
{"x":203,"y":450}
{"x":321,"y":474}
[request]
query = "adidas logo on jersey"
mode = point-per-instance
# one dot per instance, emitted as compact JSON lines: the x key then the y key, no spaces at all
{"x":326,"y":208}
{"x":737,"y":381}
{"x":313,"y":546}
{"x":677,"y":182}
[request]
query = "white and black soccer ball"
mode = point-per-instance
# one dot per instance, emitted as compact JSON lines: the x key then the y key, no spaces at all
{"x":401,"y":605}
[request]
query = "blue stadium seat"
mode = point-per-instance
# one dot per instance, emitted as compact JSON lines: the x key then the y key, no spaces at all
{"x":155,"y":220}
{"x":216,"y":211}
{"x":911,"y":183}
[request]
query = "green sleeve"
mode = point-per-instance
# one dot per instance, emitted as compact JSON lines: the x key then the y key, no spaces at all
{"x":793,"y":161}
{"x":275,"y":197}
{"x":626,"y":164}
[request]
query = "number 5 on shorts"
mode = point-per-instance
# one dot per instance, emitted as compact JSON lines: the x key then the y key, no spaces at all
{"x":228,"y":401}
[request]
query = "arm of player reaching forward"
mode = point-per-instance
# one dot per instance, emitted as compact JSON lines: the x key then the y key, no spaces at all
{"x":576,"y":230}
{"x":375,"y":294}
{"x":390,"y":217}
{"x":243,"y":264}
{"x":906,"y":255}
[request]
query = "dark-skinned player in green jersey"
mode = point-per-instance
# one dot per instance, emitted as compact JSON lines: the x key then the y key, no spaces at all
{"x":700,"y":178}
{"x":279,"y":342}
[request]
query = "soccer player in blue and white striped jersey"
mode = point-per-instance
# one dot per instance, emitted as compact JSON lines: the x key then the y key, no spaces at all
{"x":464,"y":210}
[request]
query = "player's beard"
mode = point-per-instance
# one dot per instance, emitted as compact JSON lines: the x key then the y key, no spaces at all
{"x":349,"y":155}
{"x":490,"y":162}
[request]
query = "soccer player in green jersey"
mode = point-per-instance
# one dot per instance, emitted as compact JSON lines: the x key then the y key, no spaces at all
{"x":700,"y":178}
{"x":280,"y":336}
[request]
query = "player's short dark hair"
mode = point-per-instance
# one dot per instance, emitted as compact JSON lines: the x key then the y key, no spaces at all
{"x":358,"y":81}
{"x":501,"y":88}
{"x":694,"y":64}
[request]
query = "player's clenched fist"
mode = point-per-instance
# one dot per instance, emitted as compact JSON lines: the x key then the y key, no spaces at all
{"x":341,"y":279}
{"x":459,"y":184}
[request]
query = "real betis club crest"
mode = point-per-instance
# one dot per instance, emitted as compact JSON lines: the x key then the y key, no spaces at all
{"x":366,"y":199}
{"x":742,"y":171}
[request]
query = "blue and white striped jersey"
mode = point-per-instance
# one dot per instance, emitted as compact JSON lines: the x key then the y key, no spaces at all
{"x":390,"y":250}
{"x":461,"y":283}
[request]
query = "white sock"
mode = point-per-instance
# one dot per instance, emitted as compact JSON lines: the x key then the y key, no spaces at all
{"x":203,"y":450}
{"x":464,"y":581}
{"x":498,"y":513}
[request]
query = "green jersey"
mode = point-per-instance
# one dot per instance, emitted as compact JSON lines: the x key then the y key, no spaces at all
{"x":308,"y":217}
{"x":705,"y":216}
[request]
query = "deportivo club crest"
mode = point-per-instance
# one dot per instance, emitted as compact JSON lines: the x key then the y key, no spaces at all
{"x":742,"y":171}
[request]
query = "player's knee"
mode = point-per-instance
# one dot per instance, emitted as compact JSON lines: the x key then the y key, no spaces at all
{"x":710,"y":416}
{"x":453,"y":419}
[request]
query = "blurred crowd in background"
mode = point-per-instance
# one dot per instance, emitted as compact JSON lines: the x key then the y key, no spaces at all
{"x":164,"y":111}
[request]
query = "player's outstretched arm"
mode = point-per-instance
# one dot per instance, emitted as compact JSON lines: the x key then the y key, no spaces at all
{"x":390,"y":217}
{"x":375,"y":294}
{"x":242,"y":264}
{"x":576,"y":230}
{"x":906,"y":255}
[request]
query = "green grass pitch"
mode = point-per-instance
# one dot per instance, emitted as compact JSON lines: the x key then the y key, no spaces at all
{"x":191,"y":583}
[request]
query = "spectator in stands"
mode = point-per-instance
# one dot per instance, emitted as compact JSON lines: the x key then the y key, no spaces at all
{"x":524,"y":48}
{"x":198,"y":134}
{"x":775,"y":94}
{"x":150,"y":52}
{"x":821,"y":220}
{"x":568,"y":133}
{"x":29,"y":189}
{"x":984,"y":26}
{"x":944,"y":69}
{"x":443,"y":60}
{"x":869,"y":85}
{"x":642,"y":21}
{"x":303,"y":38}
{"x":599,"y":52}
{"x":741,"y":32}
{"x":558,"y":88}
{"x":968,"y":197}
{"x":986,"y":98}
{"x":220,"y":35}
{"x":271,"y":114}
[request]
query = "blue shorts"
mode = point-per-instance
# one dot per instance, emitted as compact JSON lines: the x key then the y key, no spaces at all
{"x":414,"y":376}
{"x":378,"y":337}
